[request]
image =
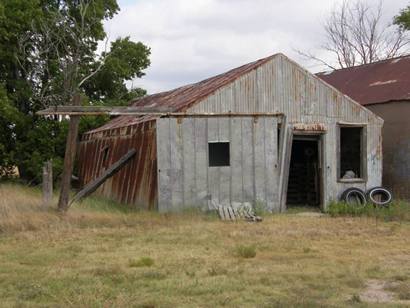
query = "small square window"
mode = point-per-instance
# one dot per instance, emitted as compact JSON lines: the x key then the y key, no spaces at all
{"x":218,"y":154}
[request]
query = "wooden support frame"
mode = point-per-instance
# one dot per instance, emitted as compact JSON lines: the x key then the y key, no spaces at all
{"x":285,"y":148}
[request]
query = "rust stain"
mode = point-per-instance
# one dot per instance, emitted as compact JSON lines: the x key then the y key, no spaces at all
{"x":309,"y":127}
{"x":136,"y":183}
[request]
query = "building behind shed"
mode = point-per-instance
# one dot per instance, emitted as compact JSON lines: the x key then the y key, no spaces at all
{"x":384,"y":88}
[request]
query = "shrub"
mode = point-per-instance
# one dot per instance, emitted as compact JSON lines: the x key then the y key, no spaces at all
{"x":246,"y":252}
{"x":142,"y":262}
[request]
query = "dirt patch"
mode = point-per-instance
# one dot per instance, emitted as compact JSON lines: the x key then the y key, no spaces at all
{"x":375,"y":292}
{"x":310,"y":214}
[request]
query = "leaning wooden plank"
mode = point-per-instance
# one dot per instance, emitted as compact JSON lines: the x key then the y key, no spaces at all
{"x":113,"y":169}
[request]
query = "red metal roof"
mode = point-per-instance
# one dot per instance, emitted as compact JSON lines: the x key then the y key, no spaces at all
{"x":378,"y":82}
{"x":184,"y":97}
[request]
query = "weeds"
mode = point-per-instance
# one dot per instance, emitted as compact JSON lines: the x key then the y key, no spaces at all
{"x":396,"y":211}
{"x":142,"y":262}
{"x":245,"y":251}
{"x":259,"y":208}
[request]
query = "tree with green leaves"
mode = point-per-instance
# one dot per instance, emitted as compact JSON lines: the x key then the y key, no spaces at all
{"x":403,"y":19}
{"x":48,"y":53}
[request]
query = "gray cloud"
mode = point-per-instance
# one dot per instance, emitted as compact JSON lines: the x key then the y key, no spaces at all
{"x":192,"y":40}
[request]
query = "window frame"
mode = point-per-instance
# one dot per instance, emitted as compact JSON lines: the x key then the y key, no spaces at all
{"x":363,"y":152}
{"x":229,"y":154}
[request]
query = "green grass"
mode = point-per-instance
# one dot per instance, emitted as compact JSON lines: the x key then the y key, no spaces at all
{"x":396,"y":211}
{"x":141,"y":262}
{"x":99,"y":256}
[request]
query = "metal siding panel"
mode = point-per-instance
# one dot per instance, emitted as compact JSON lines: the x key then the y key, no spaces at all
{"x":271,"y":169}
{"x":201,"y":160}
{"x":247,"y":161}
{"x":224,"y":172}
{"x":176,"y":147}
{"x":213,"y":172}
{"x":164,"y":164}
{"x":188,"y":132}
{"x":236,"y":159}
{"x":259,"y":131}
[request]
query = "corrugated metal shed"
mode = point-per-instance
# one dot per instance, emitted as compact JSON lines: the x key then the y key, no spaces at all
{"x":378,"y":82}
{"x":273,"y":85}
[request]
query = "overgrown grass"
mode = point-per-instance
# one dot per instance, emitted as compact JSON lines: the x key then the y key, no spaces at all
{"x":396,"y":211}
{"x":101,"y":256}
{"x":245,"y":251}
{"x":21,"y":210}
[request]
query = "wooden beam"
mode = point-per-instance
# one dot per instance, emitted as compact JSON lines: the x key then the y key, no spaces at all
{"x":69,"y":157}
{"x":113,"y":169}
{"x":140,"y":111}
{"x":101,"y":110}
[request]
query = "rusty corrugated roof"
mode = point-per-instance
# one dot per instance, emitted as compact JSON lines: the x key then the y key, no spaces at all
{"x":184,"y":97}
{"x":378,"y":82}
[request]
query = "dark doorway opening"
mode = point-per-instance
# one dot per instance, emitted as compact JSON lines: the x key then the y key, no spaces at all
{"x":304,"y":173}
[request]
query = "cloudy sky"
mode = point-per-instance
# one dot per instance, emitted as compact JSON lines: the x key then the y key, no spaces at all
{"x":194,"y":39}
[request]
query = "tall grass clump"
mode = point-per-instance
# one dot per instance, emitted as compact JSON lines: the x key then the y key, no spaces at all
{"x":245,"y":251}
{"x":396,"y":211}
{"x":141,"y":262}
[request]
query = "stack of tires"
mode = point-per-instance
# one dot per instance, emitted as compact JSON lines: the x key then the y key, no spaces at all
{"x":378,"y":196}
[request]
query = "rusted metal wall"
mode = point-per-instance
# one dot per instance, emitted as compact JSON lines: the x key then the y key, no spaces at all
{"x":134,"y":184}
{"x":396,"y":146}
{"x":280,"y":85}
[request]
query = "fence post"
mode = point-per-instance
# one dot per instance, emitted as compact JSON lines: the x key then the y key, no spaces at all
{"x":47,"y":182}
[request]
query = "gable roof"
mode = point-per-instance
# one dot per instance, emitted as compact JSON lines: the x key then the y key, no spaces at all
{"x":183,"y":97}
{"x":374,"y":83}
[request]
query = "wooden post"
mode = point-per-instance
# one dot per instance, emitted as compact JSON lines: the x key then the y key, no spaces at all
{"x":69,"y":156}
{"x":47,"y":183}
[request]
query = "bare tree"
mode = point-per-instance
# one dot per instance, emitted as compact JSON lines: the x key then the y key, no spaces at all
{"x":356,"y":34}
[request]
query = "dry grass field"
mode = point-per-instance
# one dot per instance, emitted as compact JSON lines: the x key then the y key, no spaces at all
{"x":101,"y":256}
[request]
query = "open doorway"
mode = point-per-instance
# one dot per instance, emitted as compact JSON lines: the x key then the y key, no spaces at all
{"x":304,"y":172}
